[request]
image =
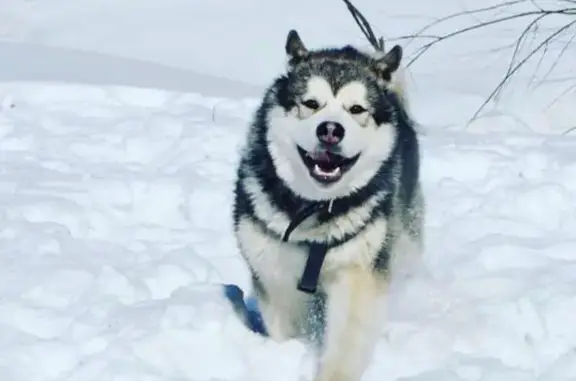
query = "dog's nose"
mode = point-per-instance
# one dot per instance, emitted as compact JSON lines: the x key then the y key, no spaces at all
{"x":330,"y":132}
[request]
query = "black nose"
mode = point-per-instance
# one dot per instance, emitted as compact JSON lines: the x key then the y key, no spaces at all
{"x":330,"y":132}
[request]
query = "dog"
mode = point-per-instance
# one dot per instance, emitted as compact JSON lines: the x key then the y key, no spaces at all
{"x":327,"y":196}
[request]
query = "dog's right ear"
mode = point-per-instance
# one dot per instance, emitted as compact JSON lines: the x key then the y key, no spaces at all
{"x":295,"y":48}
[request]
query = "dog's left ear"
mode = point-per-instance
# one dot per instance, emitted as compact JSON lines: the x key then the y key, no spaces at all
{"x":390,"y":61}
{"x":295,"y":48}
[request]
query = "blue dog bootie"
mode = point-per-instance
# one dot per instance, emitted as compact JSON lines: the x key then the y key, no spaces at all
{"x":246,"y":309}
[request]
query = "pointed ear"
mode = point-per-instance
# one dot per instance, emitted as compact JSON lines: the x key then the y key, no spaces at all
{"x":390,"y":61}
{"x":295,"y":48}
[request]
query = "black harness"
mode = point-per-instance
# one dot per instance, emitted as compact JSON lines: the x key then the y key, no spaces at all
{"x":317,"y":250}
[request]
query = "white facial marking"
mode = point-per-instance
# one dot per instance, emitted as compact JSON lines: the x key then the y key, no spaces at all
{"x":354,"y":94}
{"x":318,"y":91}
{"x":349,"y":107}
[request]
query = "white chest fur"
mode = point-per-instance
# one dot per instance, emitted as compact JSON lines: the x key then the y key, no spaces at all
{"x":283,"y":262}
{"x":273,"y":260}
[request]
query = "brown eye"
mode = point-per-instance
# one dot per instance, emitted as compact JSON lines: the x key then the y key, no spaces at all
{"x":357,"y":109}
{"x":311,"y":104}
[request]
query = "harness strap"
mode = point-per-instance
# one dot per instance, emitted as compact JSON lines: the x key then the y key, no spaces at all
{"x":317,"y":251}
{"x":302,"y":214}
{"x":311,"y":275}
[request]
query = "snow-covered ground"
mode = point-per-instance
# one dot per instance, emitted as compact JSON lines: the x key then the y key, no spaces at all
{"x":119,"y":129}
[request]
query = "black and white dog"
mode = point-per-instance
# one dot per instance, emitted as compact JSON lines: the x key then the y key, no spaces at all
{"x":327,"y":196}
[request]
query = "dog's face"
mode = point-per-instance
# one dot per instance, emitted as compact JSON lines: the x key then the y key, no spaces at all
{"x":331,"y":129}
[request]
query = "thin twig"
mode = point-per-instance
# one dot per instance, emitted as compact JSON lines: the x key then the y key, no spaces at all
{"x":566,"y":91}
{"x":427,"y":46}
{"x":466,"y":13}
{"x":536,"y":5}
{"x":522,"y":62}
{"x":365,"y":27}
{"x":542,"y":56}
{"x":517,"y":46}
{"x":560,"y":55}
{"x":414,"y":37}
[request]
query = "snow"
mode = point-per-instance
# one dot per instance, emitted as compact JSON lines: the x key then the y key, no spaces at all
{"x":119,"y":129}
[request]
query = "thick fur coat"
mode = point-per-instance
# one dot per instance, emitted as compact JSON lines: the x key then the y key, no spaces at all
{"x":332,"y":131}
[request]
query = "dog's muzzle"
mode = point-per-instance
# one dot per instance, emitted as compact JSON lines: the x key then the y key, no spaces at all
{"x":325,"y":166}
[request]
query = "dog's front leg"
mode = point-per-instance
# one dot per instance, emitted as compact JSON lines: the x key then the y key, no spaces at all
{"x":353,"y":319}
{"x":280,"y":316}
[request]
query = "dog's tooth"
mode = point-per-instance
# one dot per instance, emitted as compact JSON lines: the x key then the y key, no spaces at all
{"x":333,"y":173}
{"x":319,"y":171}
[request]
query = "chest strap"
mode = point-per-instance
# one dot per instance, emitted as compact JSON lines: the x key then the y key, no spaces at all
{"x":316,"y":252}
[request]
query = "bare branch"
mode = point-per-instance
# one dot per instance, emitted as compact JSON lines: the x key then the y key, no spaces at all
{"x":365,"y":27}
{"x":467,"y":13}
{"x":544,"y":43}
{"x":426,"y":47}
{"x":560,"y":55}
{"x":518,"y":44}
{"x":520,"y":39}
{"x":415,"y":37}
{"x":536,"y":5}
{"x":566,"y":91}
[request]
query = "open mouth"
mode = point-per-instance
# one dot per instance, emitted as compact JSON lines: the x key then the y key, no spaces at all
{"x":326,"y":167}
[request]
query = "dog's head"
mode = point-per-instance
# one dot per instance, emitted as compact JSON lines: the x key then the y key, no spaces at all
{"x":330,"y":126}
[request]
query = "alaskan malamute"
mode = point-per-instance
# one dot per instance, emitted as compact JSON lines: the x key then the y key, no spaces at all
{"x":327,"y":195}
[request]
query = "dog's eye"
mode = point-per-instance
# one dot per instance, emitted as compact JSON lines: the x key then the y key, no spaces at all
{"x":357,"y":109}
{"x":311,"y":104}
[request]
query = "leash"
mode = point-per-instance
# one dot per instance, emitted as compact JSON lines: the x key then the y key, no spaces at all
{"x":317,"y":252}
